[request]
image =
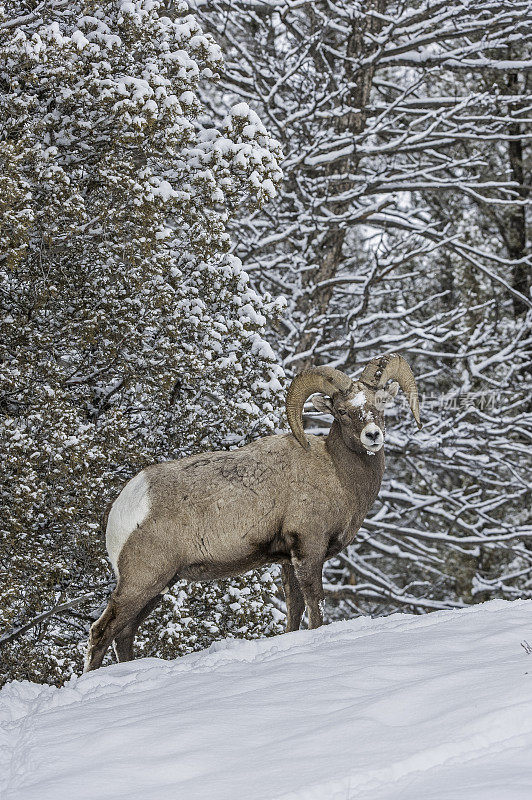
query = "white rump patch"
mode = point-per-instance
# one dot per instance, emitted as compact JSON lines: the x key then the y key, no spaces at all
{"x":128,"y":511}
{"x":358,"y":400}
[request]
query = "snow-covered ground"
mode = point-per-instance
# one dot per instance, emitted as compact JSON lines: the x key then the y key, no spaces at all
{"x":437,"y":707}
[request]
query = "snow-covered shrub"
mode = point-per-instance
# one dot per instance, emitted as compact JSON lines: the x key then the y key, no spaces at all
{"x":128,"y":334}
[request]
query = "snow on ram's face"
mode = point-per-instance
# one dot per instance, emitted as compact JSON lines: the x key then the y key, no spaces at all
{"x":359,"y":400}
{"x":128,"y":511}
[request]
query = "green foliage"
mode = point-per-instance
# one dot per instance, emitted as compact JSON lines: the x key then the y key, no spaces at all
{"x":128,"y":335}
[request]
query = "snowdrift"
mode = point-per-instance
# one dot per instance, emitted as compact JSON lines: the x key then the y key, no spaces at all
{"x":401,"y":708}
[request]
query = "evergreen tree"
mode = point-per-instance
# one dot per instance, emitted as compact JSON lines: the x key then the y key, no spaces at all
{"x":129,"y":333}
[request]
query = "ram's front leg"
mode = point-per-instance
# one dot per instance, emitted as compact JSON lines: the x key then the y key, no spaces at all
{"x":309,"y":575}
{"x":295,"y":603}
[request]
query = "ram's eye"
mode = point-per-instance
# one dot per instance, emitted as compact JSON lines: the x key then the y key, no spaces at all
{"x":342,"y":411}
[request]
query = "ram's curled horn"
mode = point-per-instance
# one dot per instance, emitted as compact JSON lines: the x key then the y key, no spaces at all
{"x":326,"y":380}
{"x":392,"y":366}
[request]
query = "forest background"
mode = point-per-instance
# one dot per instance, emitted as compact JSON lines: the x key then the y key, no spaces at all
{"x":161,"y":282}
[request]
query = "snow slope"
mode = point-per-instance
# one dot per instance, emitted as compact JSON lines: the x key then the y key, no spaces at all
{"x":437,"y":707}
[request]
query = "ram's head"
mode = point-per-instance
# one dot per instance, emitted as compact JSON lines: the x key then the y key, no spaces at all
{"x":357,"y":405}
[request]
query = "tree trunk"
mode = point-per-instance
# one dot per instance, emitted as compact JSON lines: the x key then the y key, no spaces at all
{"x":516,"y":234}
{"x":328,"y":253}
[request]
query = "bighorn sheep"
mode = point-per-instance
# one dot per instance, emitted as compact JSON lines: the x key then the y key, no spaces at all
{"x":281,"y":499}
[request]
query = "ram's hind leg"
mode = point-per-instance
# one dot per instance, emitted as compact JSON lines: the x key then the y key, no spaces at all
{"x":295,"y":602}
{"x":123,"y":643}
{"x":102,"y":633}
{"x":126,"y":603}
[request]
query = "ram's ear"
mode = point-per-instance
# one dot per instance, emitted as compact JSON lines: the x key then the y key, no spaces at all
{"x":385,"y":397}
{"x":322,"y":403}
{"x":392,"y":389}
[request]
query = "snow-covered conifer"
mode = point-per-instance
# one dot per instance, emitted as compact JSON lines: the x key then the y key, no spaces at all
{"x":129,"y":333}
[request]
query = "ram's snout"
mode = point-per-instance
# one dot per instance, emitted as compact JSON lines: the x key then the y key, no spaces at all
{"x":372,"y":438}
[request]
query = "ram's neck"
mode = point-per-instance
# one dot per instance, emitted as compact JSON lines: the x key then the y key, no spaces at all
{"x":356,"y":468}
